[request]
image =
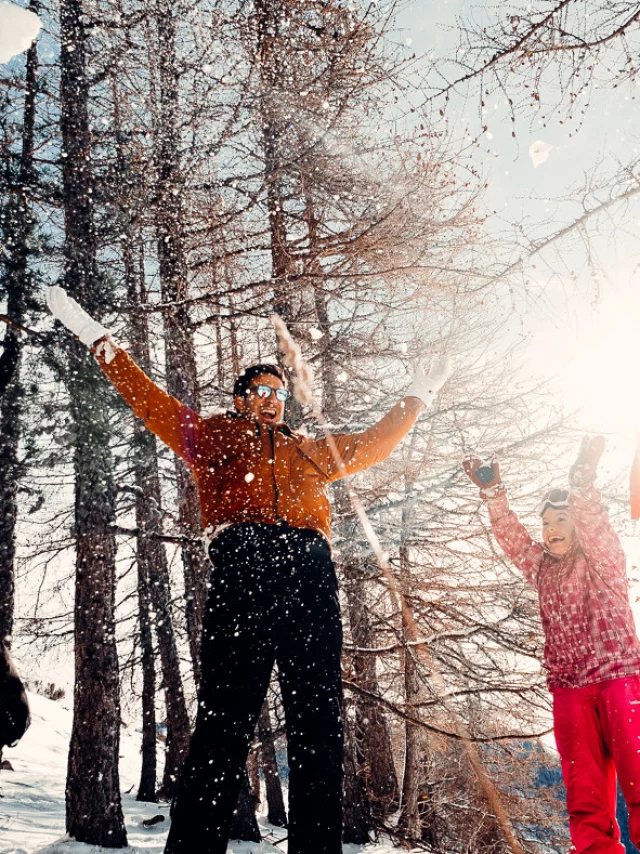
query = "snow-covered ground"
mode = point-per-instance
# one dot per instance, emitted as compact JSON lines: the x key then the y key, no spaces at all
{"x":32,"y":802}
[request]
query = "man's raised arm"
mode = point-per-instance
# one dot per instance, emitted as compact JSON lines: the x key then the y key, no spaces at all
{"x":176,"y":424}
{"x":359,"y":451}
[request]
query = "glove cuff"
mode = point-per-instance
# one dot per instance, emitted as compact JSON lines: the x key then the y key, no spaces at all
{"x":495,"y":491}
{"x":91,"y":332}
{"x":582,"y":482}
{"x":106,"y":349}
{"x":422,"y":391}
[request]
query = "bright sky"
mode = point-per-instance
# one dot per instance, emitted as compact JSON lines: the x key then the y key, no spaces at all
{"x":582,"y":338}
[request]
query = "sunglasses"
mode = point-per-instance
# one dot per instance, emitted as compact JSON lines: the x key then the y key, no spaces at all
{"x":265,"y":392}
{"x":558,"y":499}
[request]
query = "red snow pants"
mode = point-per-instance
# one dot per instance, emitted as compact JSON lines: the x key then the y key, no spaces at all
{"x":597,"y":730}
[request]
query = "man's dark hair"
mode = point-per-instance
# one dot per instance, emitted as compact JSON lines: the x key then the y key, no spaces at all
{"x":241,"y":385}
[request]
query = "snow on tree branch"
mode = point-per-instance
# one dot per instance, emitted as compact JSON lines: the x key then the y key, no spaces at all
{"x":18,"y":29}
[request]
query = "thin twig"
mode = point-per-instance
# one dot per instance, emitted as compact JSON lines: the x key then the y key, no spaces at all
{"x":293,"y":358}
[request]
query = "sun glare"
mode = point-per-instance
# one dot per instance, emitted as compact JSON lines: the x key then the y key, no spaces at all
{"x":588,"y":358}
{"x":602,"y":374}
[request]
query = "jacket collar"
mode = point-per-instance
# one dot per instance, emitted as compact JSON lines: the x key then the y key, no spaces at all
{"x":571,"y":554}
{"x":281,"y":428}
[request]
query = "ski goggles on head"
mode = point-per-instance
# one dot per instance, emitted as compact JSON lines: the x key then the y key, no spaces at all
{"x":557,"y":499}
{"x":265,"y":392}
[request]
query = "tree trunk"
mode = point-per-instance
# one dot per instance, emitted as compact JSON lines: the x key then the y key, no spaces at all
{"x":17,"y":232}
{"x":370,"y":743}
{"x":94,"y":813}
{"x":253,"y":772}
{"x":145,"y":547}
{"x":356,"y":816}
{"x":93,"y":806}
{"x":409,"y":823}
{"x":245,"y":824}
{"x":369,"y":768}
{"x":151,"y":549}
{"x":371,"y":734}
{"x":275,"y":802}
{"x":147,"y":788}
{"x":147,"y":479}
{"x":178,"y":727}
{"x":180,"y":353}
{"x":268,"y":14}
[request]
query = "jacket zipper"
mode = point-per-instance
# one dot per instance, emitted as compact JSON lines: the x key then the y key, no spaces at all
{"x":272,"y":436}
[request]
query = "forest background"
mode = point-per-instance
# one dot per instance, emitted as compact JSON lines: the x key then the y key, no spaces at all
{"x":187,"y":169}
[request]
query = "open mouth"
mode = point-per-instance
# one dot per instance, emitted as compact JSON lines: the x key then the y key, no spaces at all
{"x":556,"y":539}
{"x":269,"y":413}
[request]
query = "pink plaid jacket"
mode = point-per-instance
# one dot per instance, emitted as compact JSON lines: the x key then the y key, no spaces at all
{"x":584,"y":599}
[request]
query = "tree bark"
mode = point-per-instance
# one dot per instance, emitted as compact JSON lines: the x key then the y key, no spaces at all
{"x":147,"y":787}
{"x":93,"y":806}
{"x":268,"y":15}
{"x":275,"y":802}
{"x":180,"y":352}
{"x":253,"y":772}
{"x":18,"y":222}
{"x":369,"y":768}
{"x":356,"y":816}
{"x":145,"y":547}
{"x":94,"y":812}
{"x":374,"y":754}
{"x":178,"y":727}
{"x":152,"y":551}
{"x":245,"y":824}
{"x":409,"y":823}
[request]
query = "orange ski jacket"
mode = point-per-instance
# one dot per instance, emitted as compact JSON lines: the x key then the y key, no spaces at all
{"x":248,"y":474}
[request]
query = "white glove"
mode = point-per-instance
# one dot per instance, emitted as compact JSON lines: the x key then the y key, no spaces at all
{"x":76,"y":319}
{"x":426,"y":387}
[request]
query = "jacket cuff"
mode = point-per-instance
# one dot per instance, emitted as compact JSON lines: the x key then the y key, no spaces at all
{"x":106,"y":349}
{"x":588,"y":499}
{"x":497,"y":504}
{"x":412,"y":403}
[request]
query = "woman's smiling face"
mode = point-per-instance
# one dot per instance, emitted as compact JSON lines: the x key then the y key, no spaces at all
{"x":558,"y":530}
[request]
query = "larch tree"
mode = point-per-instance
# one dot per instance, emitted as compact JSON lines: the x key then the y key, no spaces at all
{"x":94,"y":811}
{"x":182,"y":379}
{"x":18,"y":224}
{"x":257,"y":157}
{"x":128,"y":189}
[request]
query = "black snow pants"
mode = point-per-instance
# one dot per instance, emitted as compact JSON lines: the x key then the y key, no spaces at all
{"x":273,"y":599}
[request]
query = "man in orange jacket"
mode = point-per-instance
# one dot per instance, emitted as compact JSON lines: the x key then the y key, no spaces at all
{"x":273,"y":596}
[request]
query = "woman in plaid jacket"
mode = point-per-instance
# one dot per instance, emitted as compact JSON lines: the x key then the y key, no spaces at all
{"x":592,"y":653}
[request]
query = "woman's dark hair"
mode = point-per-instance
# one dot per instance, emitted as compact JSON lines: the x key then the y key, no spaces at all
{"x":242,"y":383}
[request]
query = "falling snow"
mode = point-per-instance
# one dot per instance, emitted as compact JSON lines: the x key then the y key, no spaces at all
{"x":539,"y":152}
{"x":32,"y":806}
